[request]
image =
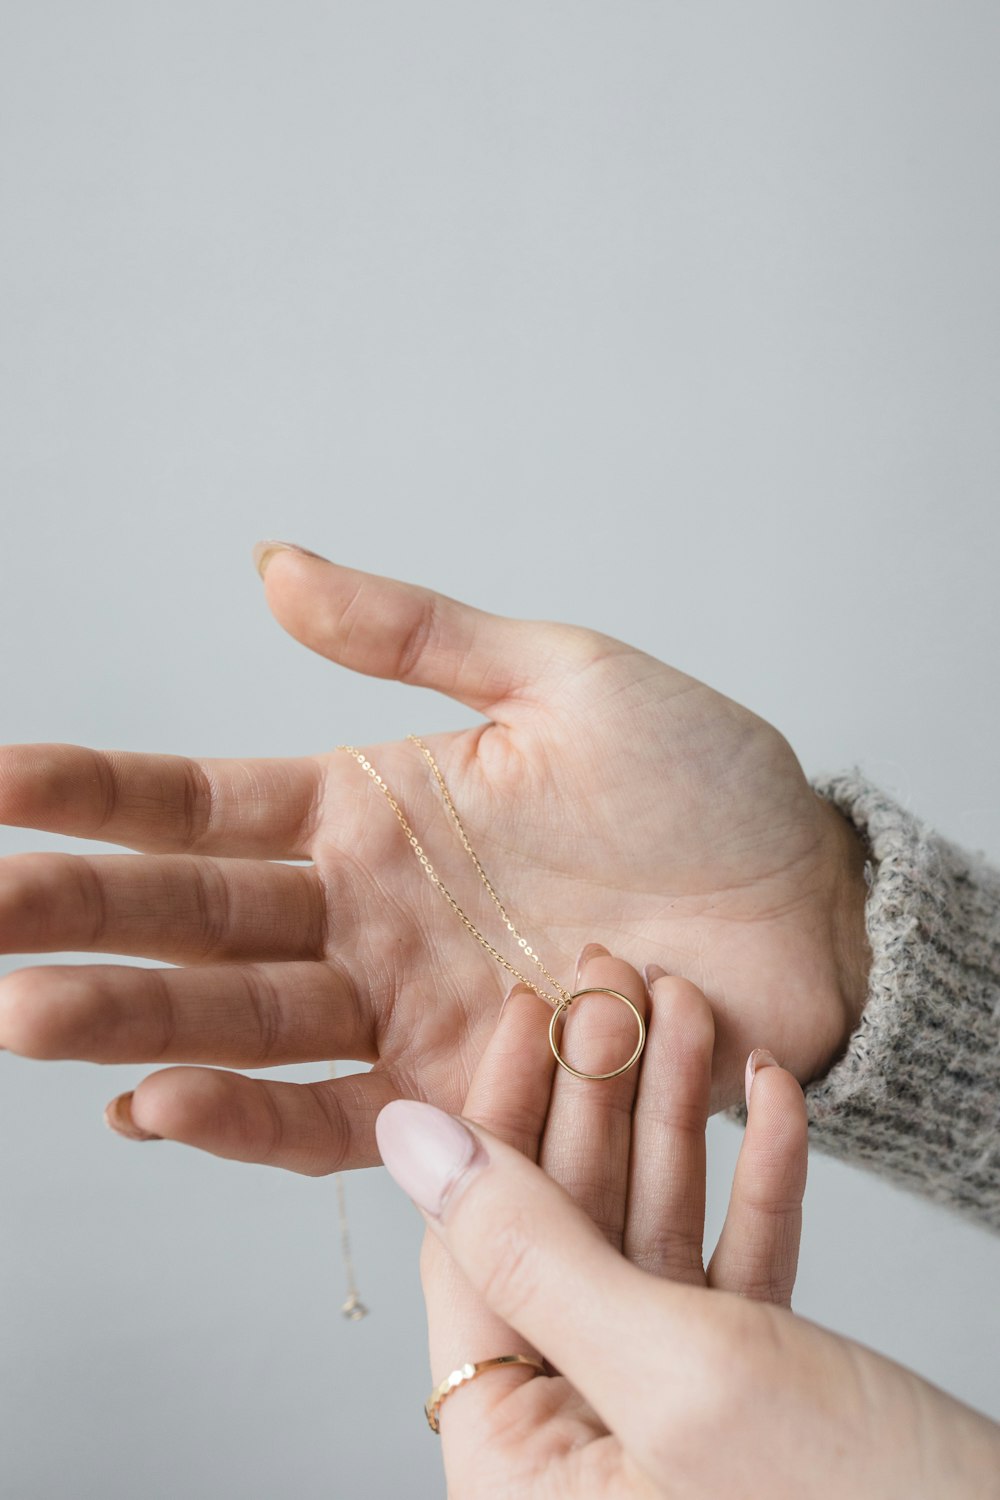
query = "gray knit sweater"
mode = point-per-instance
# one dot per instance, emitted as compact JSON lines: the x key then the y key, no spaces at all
{"x":916,"y":1096}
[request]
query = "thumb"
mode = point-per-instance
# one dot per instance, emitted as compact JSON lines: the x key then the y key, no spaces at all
{"x":539,"y":1262}
{"x":385,"y":628}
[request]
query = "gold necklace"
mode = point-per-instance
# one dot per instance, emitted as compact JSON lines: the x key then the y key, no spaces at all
{"x":353,"y":1307}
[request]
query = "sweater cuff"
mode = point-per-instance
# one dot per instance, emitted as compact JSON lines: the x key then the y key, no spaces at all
{"x":916,"y":1095}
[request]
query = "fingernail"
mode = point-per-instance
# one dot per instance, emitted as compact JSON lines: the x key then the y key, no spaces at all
{"x":516,"y":989}
{"x":759,"y":1058}
{"x":264,"y":551}
{"x":589,"y":951}
{"x":118,"y":1116}
{"x":651,"y":973}
{"x":430,"y":1154}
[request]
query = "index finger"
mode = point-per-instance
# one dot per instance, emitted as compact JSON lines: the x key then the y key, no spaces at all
{"x":509,"y":1095}
{"x":164,"y":804}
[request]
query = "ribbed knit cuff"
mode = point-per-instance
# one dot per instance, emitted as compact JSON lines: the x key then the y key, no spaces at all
{"x":916,"y":1095}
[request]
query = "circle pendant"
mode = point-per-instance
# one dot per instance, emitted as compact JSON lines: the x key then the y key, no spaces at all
{"x":615,"y":1072}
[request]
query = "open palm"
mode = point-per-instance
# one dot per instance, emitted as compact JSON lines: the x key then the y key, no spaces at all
{"x":608,"y":796}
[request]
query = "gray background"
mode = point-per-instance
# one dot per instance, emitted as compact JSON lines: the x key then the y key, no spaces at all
{"x":678,"y":320}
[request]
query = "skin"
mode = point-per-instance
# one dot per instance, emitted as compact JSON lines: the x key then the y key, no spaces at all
{"x":607,"y":794}
{"x":663,"y":1381}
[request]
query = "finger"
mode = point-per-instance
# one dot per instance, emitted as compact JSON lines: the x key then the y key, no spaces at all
{"x":312,"y":1128}
{"x":263,"y":809}
{"x":176,"y":907}
{"x":758,"y":1250}
{"x":509,"y":1095}
{"x":589,"y":1128}
{"x":510,"y":1089}
{"x":386,"y":628}
{"x":544,"y":1267}
{"x":666,"y":1209}
{"x":238,"y":1015}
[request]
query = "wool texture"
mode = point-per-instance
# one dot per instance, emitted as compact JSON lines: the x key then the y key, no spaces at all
{"x":916,"y":1095}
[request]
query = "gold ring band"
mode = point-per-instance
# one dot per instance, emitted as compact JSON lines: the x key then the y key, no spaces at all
{"x":565,"y":1004}
{"x":468,"y":1372}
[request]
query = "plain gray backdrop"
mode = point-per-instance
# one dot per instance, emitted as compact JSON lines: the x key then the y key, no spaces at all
{"x":677,"y":320}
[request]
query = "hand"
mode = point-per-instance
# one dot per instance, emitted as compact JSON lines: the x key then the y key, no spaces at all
{"x":658,"y":1387}
{"x":605,"y":793}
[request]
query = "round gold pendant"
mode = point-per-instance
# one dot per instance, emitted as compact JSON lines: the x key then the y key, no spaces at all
{"x":615,"y":1072}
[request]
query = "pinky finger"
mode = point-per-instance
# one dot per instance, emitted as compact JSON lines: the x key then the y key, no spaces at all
{"x":312,"y":1128}
{"x":758,"y":1250}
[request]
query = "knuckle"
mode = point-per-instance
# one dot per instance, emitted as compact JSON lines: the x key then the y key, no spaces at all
{"x":772,"y":1200}
{"x":601,"y":1200}
{"x":197,"y":805}
{"x":93,"y":904}
{"x":331,"y":1146}
{"x":106,"y":787}
{"x":514,"y":1121}
{"x":510,"y":1281}
{"x":416,"y":632}
{"x":765,"y":1283}
{"x":265,"y":1004}
{"x":668,"y":1251}
{"x":210,"y":895}
{"x":163,"y":1010}
{"x":680,"y":1111}
{"x":763,"y":1267}
{"x":271,"y":1142}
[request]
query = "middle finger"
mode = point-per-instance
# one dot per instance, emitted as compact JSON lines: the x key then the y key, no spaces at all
{"x":589,"y":1127}
{"x":180,"y":908}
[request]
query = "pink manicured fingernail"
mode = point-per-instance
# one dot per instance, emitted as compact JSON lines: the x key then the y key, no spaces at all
{"x":587,"y":952}
{"x":759,"y":1058}
{"x":651,"y":973}
{"x":118,"y":1116}
{"x":430,"y":1154}
{"x":264,"y":551}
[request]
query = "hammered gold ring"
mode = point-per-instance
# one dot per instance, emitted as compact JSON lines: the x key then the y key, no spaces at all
{"x":468,"y":1372}
{"x":565,"y":1004}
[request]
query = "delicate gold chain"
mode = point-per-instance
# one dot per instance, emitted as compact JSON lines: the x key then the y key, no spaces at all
{"x":353,"y":1307}
{"x":429,"y":870}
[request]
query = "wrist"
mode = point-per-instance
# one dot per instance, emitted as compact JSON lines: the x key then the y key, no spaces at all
{"x":850,"y":866}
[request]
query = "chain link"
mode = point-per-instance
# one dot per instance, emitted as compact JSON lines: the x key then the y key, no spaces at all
{"x":564,"y":996}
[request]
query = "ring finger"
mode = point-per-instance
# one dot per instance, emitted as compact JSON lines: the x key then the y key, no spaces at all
{"x":237,"y":1015}
{"x":666,"y":1214}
